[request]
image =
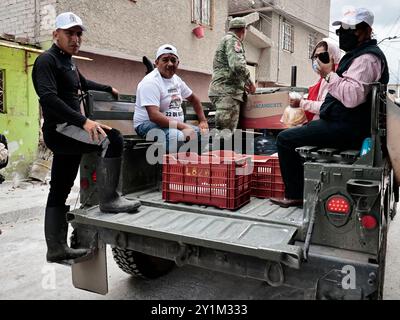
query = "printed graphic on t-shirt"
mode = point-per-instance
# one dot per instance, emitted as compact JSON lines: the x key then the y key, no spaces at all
{"x":175,"y":107}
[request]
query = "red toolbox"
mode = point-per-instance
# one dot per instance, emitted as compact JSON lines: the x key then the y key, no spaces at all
{"x":223,"y":182}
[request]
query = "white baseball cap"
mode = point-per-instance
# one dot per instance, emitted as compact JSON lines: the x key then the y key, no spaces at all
{"x":167,"y":49}
{"x":353,"y":16}
{"x":68,"y":20}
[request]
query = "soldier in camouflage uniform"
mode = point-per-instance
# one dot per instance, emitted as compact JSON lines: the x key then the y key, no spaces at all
{"x":231,"y":78}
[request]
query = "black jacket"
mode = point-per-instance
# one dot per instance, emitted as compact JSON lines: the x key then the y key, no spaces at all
{"x":56,"y":82}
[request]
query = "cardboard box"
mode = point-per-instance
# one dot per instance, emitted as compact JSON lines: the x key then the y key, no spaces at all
{"x":264,"y":109}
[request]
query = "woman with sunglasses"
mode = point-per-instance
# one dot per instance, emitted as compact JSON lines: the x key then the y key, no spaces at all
{"x":324,"y":51}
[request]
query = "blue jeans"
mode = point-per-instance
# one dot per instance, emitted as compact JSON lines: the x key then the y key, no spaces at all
{"x":171,"y":137}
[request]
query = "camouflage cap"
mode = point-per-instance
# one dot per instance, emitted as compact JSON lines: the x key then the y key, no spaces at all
{"x":237,"y":23}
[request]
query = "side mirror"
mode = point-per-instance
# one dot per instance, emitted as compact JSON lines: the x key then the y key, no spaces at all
{"x":391,"y":91}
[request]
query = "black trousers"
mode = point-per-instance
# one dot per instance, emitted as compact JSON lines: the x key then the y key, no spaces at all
{"x":319,"y":133}
{"x":67,"y":157}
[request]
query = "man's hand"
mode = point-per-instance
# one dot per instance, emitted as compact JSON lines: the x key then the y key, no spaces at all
{"x":189,"y":133}
{"x":250,"y":88}
{"x":325,"y":68}
{"x":203,"y":126}
{"x":94,"y":129}
{"x":115,"y":93}
{"x":294,"y":103}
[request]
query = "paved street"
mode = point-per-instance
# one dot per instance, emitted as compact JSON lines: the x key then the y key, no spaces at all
{"x":25,"y":274}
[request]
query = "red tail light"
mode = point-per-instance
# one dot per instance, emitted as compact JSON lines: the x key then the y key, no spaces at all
{"x":369,"y":222}
{"x":94,"y":176}
{"x":84,"y":183}
{"x":338,"y":204}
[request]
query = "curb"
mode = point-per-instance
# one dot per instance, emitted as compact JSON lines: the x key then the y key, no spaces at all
{"x":24,"y":215}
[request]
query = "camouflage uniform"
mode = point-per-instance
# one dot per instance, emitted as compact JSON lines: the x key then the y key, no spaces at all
{"x":229,"y":78}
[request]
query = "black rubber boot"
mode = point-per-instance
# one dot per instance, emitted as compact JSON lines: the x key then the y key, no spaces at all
{"x":56,"y":230}
{"x":108,"y":170}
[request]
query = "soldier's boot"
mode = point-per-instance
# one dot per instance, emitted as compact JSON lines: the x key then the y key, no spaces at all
{"x":108,"y":171}
{"x":56,"y":230}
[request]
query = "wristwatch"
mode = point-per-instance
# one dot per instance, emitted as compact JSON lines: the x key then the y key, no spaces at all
{"x":328,"y":77}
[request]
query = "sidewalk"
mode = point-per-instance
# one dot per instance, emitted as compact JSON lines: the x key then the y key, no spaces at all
{"x":20,"y":201}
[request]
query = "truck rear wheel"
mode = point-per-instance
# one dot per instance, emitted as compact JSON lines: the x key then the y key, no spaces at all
{"x":141,"y":265}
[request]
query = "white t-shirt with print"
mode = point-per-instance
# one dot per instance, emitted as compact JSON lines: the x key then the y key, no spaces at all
{"x":167,"y":94}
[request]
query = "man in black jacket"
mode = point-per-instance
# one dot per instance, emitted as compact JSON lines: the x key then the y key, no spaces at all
{"x":345,"y":116}
{"x":69,"y":134}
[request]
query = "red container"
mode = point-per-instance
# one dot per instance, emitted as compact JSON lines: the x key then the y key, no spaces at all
{"x":199,"y":32}
{"x":207,"y":179}
{"x":267,"y":180}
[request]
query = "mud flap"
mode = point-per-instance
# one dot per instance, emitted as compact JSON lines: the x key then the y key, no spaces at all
{"x":91,"y":275}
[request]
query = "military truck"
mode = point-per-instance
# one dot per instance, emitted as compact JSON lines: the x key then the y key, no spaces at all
{"x":332,"y":248}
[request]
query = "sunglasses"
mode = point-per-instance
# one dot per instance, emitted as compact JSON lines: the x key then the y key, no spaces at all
{"x":323,"y":57}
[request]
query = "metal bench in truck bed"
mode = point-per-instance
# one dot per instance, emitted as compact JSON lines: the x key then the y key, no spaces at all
{"x":326,"y":254}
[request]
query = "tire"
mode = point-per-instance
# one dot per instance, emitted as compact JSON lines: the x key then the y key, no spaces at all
{"x":141,"y":265}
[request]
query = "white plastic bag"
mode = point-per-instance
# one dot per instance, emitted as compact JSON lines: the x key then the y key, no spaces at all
{"x":294,"y":117}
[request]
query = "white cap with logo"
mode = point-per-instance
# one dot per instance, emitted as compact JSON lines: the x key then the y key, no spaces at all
{"x":354,"y":16}
{"x":167,"y":49}
{"x":68,"y":20}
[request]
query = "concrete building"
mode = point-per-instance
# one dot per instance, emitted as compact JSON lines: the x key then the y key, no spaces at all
{"x":19,"y":112}
{"x":283,"y":34}
{"x":121,"y":33}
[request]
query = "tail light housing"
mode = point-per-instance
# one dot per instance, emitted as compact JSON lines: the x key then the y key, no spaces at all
{"x":338,"y":204}
{"x":338,"y":209}
{"x":94,"y":176}
{"x":369,"y":222}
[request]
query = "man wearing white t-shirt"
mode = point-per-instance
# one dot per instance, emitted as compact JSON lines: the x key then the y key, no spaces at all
{"x":159,"y":98}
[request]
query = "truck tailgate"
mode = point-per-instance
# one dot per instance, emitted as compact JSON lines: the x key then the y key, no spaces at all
{"x":263,"y":240}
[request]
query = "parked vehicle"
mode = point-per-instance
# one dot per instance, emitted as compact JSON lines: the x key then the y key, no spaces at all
{"x":332,"y":248}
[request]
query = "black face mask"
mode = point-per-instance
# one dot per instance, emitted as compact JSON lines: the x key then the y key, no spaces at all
{"x":348,"y":40}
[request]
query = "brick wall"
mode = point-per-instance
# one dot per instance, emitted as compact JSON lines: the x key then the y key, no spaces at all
{"x":19,"y":17}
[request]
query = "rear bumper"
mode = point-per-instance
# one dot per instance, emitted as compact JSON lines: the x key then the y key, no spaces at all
{"x":336,"y":274}
{"x":328,"y":273}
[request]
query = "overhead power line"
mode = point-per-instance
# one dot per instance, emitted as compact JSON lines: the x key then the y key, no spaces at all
{"x":389,"y":38}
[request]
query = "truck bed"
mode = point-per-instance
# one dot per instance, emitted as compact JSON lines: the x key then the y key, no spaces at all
{"x":261,"y":210}
{"x":259,"y":229}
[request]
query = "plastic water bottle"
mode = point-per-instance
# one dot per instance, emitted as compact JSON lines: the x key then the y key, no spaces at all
{"x":366,"y":146}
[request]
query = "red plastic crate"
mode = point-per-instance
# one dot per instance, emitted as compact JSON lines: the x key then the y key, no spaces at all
{"x":267,"y":180}
{"x":207,"y":179}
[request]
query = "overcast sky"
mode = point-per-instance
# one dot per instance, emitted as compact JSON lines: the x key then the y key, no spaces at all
{"x":387,"y":24}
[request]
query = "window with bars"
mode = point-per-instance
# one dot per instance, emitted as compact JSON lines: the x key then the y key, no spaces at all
{"x":202,"y":12}
{"x":312,"y":42}
{"x":2,"y":95}
{"x":287,"y":37}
